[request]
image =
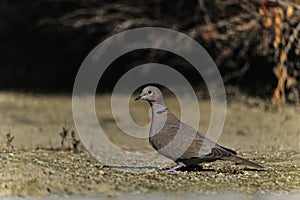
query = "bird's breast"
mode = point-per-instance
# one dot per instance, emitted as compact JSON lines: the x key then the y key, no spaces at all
{"x":158,"y":122}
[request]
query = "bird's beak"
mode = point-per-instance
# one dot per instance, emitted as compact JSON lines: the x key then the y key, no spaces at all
{"x":138,"y":97}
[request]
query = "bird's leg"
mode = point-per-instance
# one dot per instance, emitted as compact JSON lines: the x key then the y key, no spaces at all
{"x":175,"y":167}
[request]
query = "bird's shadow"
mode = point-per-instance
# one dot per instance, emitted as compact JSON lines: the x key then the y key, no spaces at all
{"x":130,"y":167}
{"x":255,"y":170}
{"x":192,"y":168}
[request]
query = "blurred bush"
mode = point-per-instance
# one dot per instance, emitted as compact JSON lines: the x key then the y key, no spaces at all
{"x":254,"y":43}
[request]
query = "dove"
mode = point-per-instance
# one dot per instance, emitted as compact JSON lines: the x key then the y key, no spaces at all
{"x":179,"y":141}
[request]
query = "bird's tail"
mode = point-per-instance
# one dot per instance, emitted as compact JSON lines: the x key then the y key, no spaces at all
{"x":242,"y":161}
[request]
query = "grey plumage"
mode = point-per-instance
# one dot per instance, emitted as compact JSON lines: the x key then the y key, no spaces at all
{"x":179,"y":141}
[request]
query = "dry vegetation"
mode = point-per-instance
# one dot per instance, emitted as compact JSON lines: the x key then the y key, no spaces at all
{"x":255,"y":43}
{"x":241,"y":36}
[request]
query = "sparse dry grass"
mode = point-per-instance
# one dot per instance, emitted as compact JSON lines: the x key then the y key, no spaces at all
{"x":258,"y":132}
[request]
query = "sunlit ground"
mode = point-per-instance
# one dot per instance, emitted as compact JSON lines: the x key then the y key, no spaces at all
{"x":257,"y":131}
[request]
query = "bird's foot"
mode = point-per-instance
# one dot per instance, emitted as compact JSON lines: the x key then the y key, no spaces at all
{"x":175,"y":168}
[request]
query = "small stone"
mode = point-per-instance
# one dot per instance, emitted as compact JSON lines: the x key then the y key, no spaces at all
{"x":40,"y":162}
{"x":246,"y":173}
{"x":101,"y":172}
{"x":220,"y":175}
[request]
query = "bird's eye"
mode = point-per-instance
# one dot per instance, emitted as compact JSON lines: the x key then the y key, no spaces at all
{"x":149,"y":92}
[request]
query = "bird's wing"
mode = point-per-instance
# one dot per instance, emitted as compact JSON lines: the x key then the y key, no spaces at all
{"x":187,"y":142}
{"x":210,"y":151}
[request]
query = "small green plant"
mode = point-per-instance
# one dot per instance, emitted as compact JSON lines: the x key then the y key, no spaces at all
{"x":71,"y":137}
{"x":75,"y":141}
{"x":9,"y":139}
{"x":63,"y":135}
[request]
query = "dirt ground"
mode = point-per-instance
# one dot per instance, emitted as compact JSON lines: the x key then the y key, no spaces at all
{"x":37,"y":166}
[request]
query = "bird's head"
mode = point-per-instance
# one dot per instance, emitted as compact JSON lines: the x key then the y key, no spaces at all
{"x":151,"y":94}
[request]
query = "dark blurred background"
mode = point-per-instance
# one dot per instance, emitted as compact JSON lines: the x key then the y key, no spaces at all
{"x":255,"y":43}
